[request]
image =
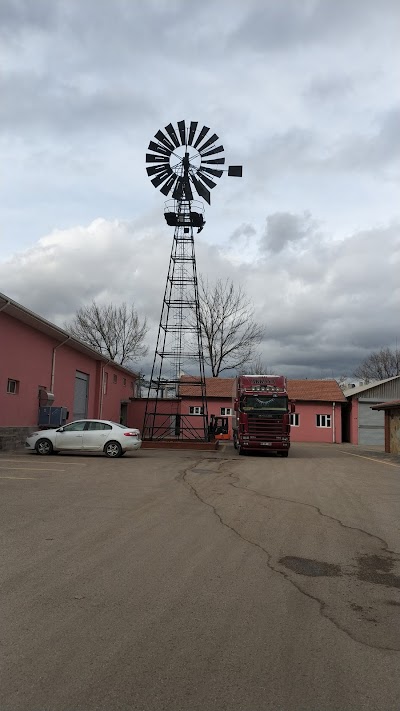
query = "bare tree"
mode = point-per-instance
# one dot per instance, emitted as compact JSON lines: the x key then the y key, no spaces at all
{"x":114,"y":331}
{"x":258,"y":367}
{"x":380,"y":365}
{"x":229,"y":332}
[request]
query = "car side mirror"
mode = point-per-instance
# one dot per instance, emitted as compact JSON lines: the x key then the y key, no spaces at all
{"x":60,"y":429}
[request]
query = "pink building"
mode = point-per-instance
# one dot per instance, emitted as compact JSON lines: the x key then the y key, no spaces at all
{"x":38,"y":357}
{"x":318,"y":416}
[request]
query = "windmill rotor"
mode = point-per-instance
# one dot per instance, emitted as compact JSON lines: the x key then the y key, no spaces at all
{"x":181,"y":160}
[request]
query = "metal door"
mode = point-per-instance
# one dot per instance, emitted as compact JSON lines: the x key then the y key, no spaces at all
{"x":371,"y":428}
{"x":81,"y":395}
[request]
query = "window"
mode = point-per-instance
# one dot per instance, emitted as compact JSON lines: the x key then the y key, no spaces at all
{"x":323,"y":420}
{"x":226,"y":411}
{"x":75,"y":426}
{"x":115,"y":378}
{"x":295,"y":420}
{"x":12,"y":386}
{"x":98,"y":426}
{"x":196,"y":410}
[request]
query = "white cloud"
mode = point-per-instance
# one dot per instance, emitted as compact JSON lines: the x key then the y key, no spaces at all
{"x":324,"y":303}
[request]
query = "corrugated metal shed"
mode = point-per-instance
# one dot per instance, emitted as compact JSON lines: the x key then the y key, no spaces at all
{"x":370,"y":423}
{"x":379,"y":391}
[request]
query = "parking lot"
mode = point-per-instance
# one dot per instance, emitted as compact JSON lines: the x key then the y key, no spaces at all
{"x":177,"y":580}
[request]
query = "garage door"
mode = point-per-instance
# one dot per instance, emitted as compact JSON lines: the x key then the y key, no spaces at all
{"x":81,"y":395}
{"x":371,"y":424}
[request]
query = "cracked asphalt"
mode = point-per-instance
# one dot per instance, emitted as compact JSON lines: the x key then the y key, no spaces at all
{"x":184,"y":580}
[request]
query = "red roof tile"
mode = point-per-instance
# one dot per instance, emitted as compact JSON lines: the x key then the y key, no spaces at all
{"x":216,"y":387}
{"x":325,"y":390}
{"x":314,"y":390}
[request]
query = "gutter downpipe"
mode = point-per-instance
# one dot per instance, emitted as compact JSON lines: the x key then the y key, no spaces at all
{"x":102,"y":388}
{"x":334,"y":429}
{"x":53,"y":363}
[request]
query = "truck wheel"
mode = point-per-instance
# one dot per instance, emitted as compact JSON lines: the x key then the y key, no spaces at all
{"x":284,"y":454}
{"x":241,"y":450}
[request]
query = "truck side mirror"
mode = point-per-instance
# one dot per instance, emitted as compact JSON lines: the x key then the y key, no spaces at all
{"x":292,"y":407}
{"x":235,"y":405}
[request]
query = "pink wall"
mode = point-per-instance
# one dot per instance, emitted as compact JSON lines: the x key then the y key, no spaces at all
{"x":27,"y":358}
{"x":308,"y":430}
{"x":214,"y":405}
{"x":354,"y":420}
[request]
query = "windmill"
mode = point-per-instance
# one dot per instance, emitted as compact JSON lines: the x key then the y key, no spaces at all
{"x":184,"y":164}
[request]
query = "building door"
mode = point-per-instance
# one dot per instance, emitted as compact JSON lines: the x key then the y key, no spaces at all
{"x":81,"y":395}
{"x":123,"y":418}
{"x":371,"y":428}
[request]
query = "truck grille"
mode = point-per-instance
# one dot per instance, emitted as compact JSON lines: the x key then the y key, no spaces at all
{"x":265,"y":428}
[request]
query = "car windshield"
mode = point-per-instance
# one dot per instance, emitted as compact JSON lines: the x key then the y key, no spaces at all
{"x":249,"y":403}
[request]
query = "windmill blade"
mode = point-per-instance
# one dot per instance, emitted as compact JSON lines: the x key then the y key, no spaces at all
{"x":209,"y":141}
{"x":187,"y":189}
{"x":159,"y":179}
{"x":201,"y":135}
{"x":178,"y":190}
{"x":192,"y":131}
{"x":150,"y":158}
{"x":212,"y":171}
{"x":155,"y":169}
{"x":164,"y":140}
{"x":213,"y":151}
{"x":172,"y":134}
{"x":182,"y":132}
{"x":166,"y":188}
{"x":202,"y":191}
{"x":213,"y":161}
{"x":158,"y":149}
{"x":206,"y":180}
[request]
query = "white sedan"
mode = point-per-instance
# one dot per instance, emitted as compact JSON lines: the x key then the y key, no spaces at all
{"x":86,"y":436}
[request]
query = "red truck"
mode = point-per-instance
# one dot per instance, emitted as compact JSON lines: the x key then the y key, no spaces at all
{"x":262,"y":410}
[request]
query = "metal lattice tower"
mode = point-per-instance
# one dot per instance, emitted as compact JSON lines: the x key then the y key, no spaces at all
{"x":181,"y":161}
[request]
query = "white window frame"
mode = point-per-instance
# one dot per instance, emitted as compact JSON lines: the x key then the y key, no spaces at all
{"x":226,"y":411}
{"x":323,"y":421}
{"x":196,"y":410}
{"x":12,"y":386}
{"x":294,"y":419}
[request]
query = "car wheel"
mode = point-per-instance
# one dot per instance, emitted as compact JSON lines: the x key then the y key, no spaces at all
{"x":113,"y":449}
{"x":44,"y":446}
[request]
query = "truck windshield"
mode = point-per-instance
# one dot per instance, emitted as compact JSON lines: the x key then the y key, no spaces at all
{"x":249,"y":403}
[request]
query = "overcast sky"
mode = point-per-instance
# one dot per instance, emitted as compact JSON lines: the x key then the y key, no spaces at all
{"x":304,"y":93}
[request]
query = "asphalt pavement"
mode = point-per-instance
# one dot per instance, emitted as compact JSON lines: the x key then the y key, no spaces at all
{"x":204,"y":581}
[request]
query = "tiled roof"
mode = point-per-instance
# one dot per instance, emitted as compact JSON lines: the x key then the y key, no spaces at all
{"x":322,"y":390}
{"x":216,"y":387}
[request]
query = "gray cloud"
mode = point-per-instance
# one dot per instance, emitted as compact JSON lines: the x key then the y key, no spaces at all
{"x":289,"y":23}
{"x":317,"y":321}
{"x":282,"y":228}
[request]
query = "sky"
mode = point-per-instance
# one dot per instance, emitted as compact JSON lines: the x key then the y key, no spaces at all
{"x":304,"y":94}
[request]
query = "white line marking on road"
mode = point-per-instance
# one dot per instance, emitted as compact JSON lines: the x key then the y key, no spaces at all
{"x":74,"y":464}
{"x":32,"y":469}
{"x":24,"y":478}
{"x":371,"y":459}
